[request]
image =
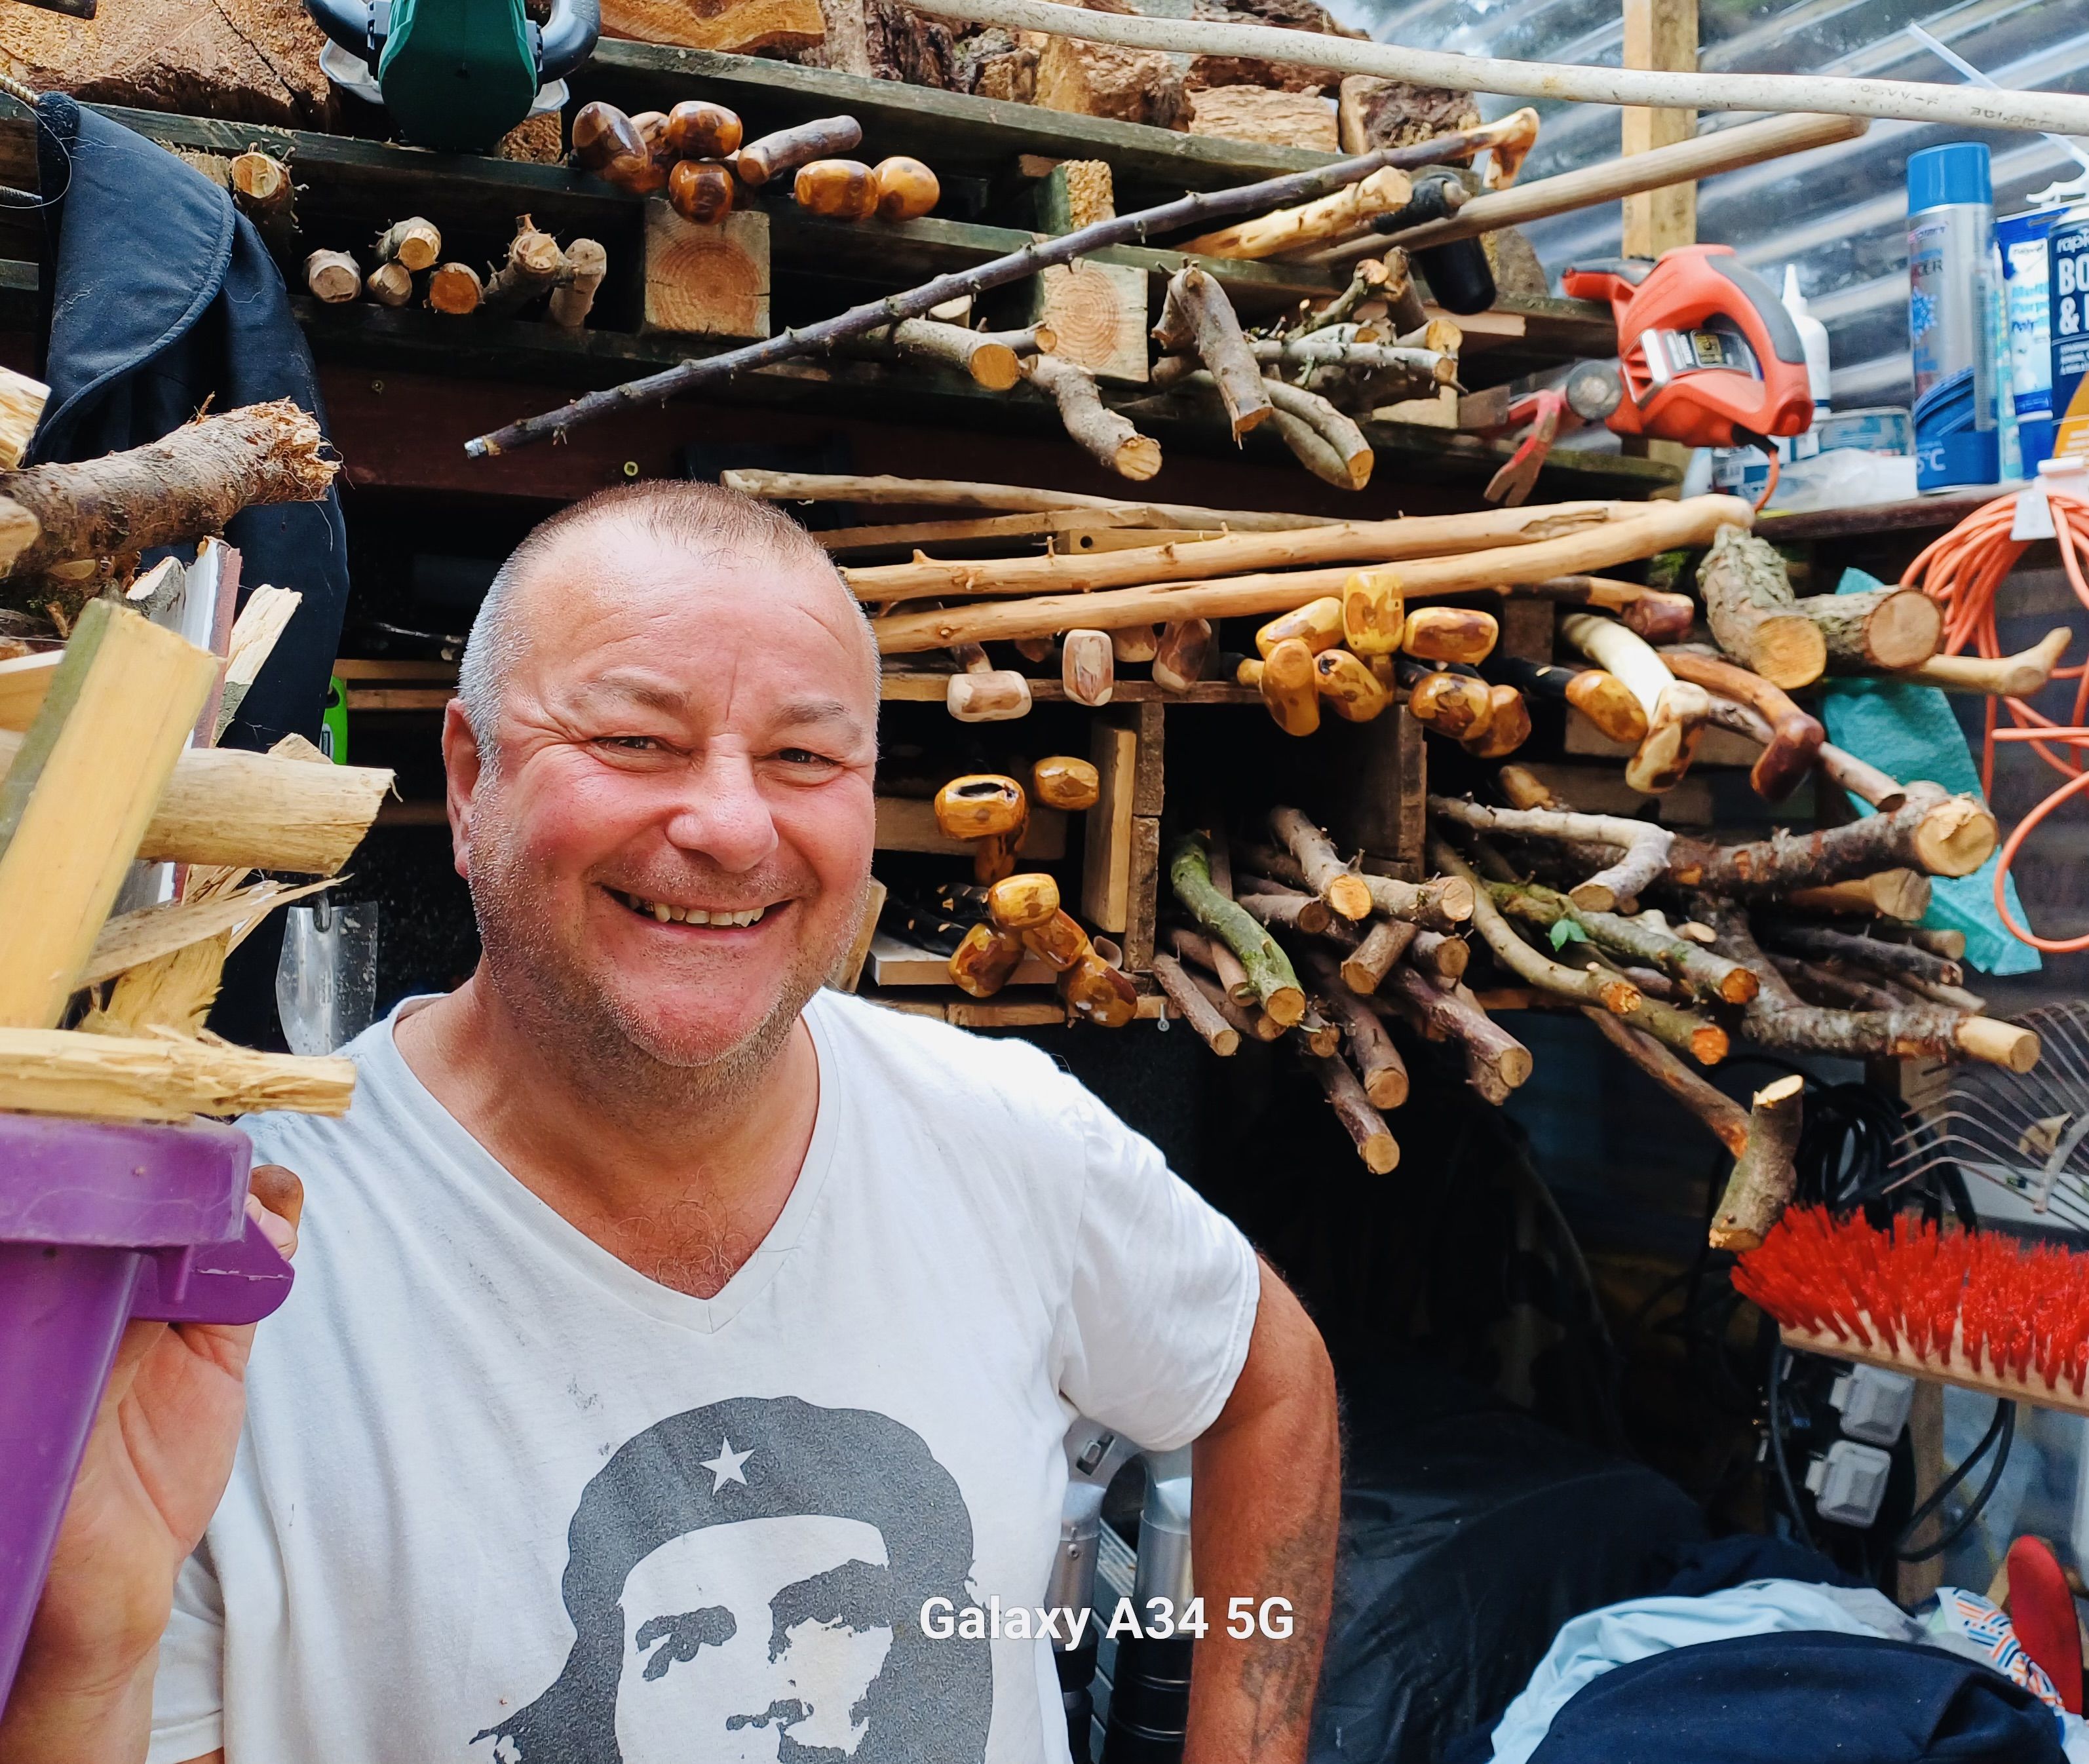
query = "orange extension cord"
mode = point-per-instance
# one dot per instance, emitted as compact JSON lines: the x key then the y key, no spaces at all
{"x":1961,"y":572}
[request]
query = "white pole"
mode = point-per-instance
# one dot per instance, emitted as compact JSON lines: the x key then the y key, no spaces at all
{"x":1905,"y":99}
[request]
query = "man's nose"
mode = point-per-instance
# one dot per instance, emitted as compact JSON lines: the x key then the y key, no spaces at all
{"x":722,"y":815}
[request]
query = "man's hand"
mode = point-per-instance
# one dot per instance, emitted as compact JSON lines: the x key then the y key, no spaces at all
{"x":1267,"y":1504}
{"x":155,"y":1468}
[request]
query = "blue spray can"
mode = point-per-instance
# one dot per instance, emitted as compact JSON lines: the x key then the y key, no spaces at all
{"x":1950,"y":246}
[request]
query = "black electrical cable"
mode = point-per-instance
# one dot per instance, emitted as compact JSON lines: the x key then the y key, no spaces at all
{"x":1780,"y":1358}
{"x":2000,"y":1436}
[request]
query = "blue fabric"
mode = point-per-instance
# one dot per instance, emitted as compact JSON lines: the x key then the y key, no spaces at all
{"x":1598,"y":1643}
{"x":162,"y":299}
{"x":1730,"y":1561}
{"x":1803,"y":1699}
{"x":1909,"y":730}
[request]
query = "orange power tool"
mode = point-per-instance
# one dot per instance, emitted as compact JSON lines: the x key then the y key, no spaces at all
{"x":1709,"y":356}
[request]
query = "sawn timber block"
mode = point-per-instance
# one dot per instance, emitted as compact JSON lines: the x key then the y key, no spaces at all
{"x":706,"y":281}
{"x":1098,"y":313}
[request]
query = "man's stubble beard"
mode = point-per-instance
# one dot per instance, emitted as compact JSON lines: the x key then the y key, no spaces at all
{"x":585,"y":1029}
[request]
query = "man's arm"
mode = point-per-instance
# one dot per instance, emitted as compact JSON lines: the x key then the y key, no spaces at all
{"x":154,"y":1468}
{"x":1266,"y":1505}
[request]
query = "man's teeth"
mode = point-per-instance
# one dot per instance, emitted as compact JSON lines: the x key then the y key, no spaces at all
{"x":667,"y":915}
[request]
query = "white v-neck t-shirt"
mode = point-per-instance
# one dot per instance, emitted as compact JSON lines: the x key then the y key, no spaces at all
{"x":499,"y":1497}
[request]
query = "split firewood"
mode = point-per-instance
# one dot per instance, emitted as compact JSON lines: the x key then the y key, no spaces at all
{"x":1794,"y":738}
{"x":1197,"y":319}
{"x":21,"y":402}
{"x":1779,"y":1019}
{"x":1098,"y":431}
{"x":906,"y":189}
{"x":1709,"y":975}
{"x":1334,"y":541}
{"x":1369,"y":1048}
{"x":1676,"y":709}
{"x":1374,"y":1140}
{"x":1496,"y":1062}
{"x":1888,"y":894}
{"x":1290,"y":687}
{"x":993,"y":358}
{"x":333,"y":276}
{"x":1860,"y":778}
{"x":1655,"y":614}
{"x":1753,"y":613}
{"x":2002,"y":677}
{"x":1882,"y":628}
{"x":455,"y":289}
{"x":760,"y":161}
{"x":389,"y":285}
{"x":1088,"y":667}
{"x":1724,"y":1117}
{"x":1764,"y":1176}
{"x":1644,"y":848}
{"x":1613,"y":993}
{"x":162,"y":1078}
{"x":1599,"y":695}
{"x":1183,"y":654}
{"x":533,"y":264}
{"x":415,"y":243}
{"x":1656,"y":526}
{"x":1898,"y":959}
{"x":1933,"y":831}
{"x":702,"y":191}
{"x":1269,"y":968}
{"x":1215,"y":957}
{"x":573,"y":296}
{"x":181,"y":487}
{"x":1323,"y":221}
{"x":1201,"y":1012}
{"x":262,"y":190}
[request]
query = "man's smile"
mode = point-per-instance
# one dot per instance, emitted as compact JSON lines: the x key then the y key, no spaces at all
{"x":664,"y":912}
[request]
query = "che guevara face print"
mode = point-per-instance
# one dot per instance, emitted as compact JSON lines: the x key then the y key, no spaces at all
{"x":745,"y":1581}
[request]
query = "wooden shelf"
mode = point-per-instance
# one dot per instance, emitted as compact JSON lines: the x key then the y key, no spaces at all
{"x":929,"y":688}
{"x":1945,"y":509}
{"x":968,"y":1013}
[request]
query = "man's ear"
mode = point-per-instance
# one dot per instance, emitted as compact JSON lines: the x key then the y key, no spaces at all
{"x":462,"y":769}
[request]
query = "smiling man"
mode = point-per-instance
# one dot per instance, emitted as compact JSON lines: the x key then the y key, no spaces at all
{"x":669,"y":1331}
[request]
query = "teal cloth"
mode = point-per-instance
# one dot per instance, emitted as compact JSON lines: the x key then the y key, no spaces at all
{"x":1909,"y":732}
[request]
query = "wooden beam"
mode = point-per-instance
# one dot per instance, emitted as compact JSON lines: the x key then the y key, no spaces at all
{"x":1106,"y":857}
{"x":80,"y":792}
{"x":23,"y":681}
{"x":909,"y":824}
{"x":1660,"y":35}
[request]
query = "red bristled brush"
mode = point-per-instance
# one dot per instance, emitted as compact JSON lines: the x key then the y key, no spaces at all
{"x":1984,"y":1310}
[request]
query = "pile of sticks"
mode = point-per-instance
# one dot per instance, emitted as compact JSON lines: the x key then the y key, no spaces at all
{"x":407,"y":262}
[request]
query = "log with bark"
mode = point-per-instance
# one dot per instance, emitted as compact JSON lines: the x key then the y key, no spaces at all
{"x":1880,"y":629}
{"x":993,"y":358}
{"x":455,"y":289}
{"x":1932,"y":831}
{"x":1213,"y":956}
{"x":1591,"y":984}
{"x":1102,"y":433}
{"x":533,"y":266}
{"x":1269,"y":969}
{"x":1859,"y":777}
{"x":1323,"y":221}
{"x":1899,"y":959}
{"x":1197,"y":320}
{"x":1366,"y":1128}
{"x":1324,"y":872}
{"x":1320,"y":438}
{"x":1200,"y":1011}
{"x":1779,"y":1019}
{"x":1364,"y":967}
{"x":1764,"y":1174}
{"x":263,"y":190}
{"x":1495,"y":1061}
{"x":333,"y":276}
{"x":918,"y":303}
{"x":414,"y":243}
{"x":1655,"y":614}
{"x":1658,"y":527}
{"x":185,"y":485}
{"x":1719,"y":1113}
{"x":1753,"y":613}
{"x":1887,"y":893}
{"x":1644,"y":848}
{"x":1285,"y":909}
{"x":1794,"y":738}
{"x":1708,"y":975}
{"x":1369,"y":1048}
{"x":573,"y":298}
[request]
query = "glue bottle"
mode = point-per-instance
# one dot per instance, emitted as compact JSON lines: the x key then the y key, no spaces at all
{"x":1813,"y":338}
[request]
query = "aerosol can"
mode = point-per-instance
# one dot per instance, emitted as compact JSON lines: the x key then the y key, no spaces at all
{"x":1149,"y":1707}
{"x":1950,"y":252}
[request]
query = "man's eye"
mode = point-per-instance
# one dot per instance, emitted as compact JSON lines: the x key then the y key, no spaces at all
{"x":802,"y":756}
{"x":629,"y":744}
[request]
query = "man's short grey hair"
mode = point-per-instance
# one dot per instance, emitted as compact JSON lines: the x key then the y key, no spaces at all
{"x":705,"y":519}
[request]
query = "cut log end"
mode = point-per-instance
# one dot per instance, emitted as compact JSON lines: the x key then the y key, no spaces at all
{"x":1285,"y":1006}
{"x":1594,"y":897}
{"x":1955,"y":838}
{"x":1708,"y":1044}
{"x":1903,"y":631}
{"x":1788,"y":650}
{"x":2008,"y":1045}
{"x":1138,"y":458}
{"x":1349,"y":895}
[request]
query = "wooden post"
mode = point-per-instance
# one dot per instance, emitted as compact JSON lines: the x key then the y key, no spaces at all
{"x":1661,"y":35}
{"x":708,"y":280}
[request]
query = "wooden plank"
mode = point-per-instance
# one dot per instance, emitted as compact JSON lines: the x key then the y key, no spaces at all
{"x":848,"y":972}
{"x":1526,"y":627}
{"x":1362,"y":769}
{"x":1106,"y":855}
{"x":78,"y":795}
{"x":1660,"y":35}
{"x":1413,"y":822}
{"x":118,"y":1078}
{"x":894,"y":961}
{"x":954,"y":132}
{"x":909,"y":824}
{"x":23,"y":681}
{"x":1715,"y":747}
{"x":361,"y":698}
{"x":899,"y":688}
{"x":705,"y":280}
{"x":393,"y":670}
{"x":1144,"y":895}
{"x":1601,"y":790}
{"x":1006,"y":1013}
{"x":1148,"y":779}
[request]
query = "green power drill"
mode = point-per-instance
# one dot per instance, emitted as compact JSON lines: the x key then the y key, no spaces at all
{"x":456,"y":74}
